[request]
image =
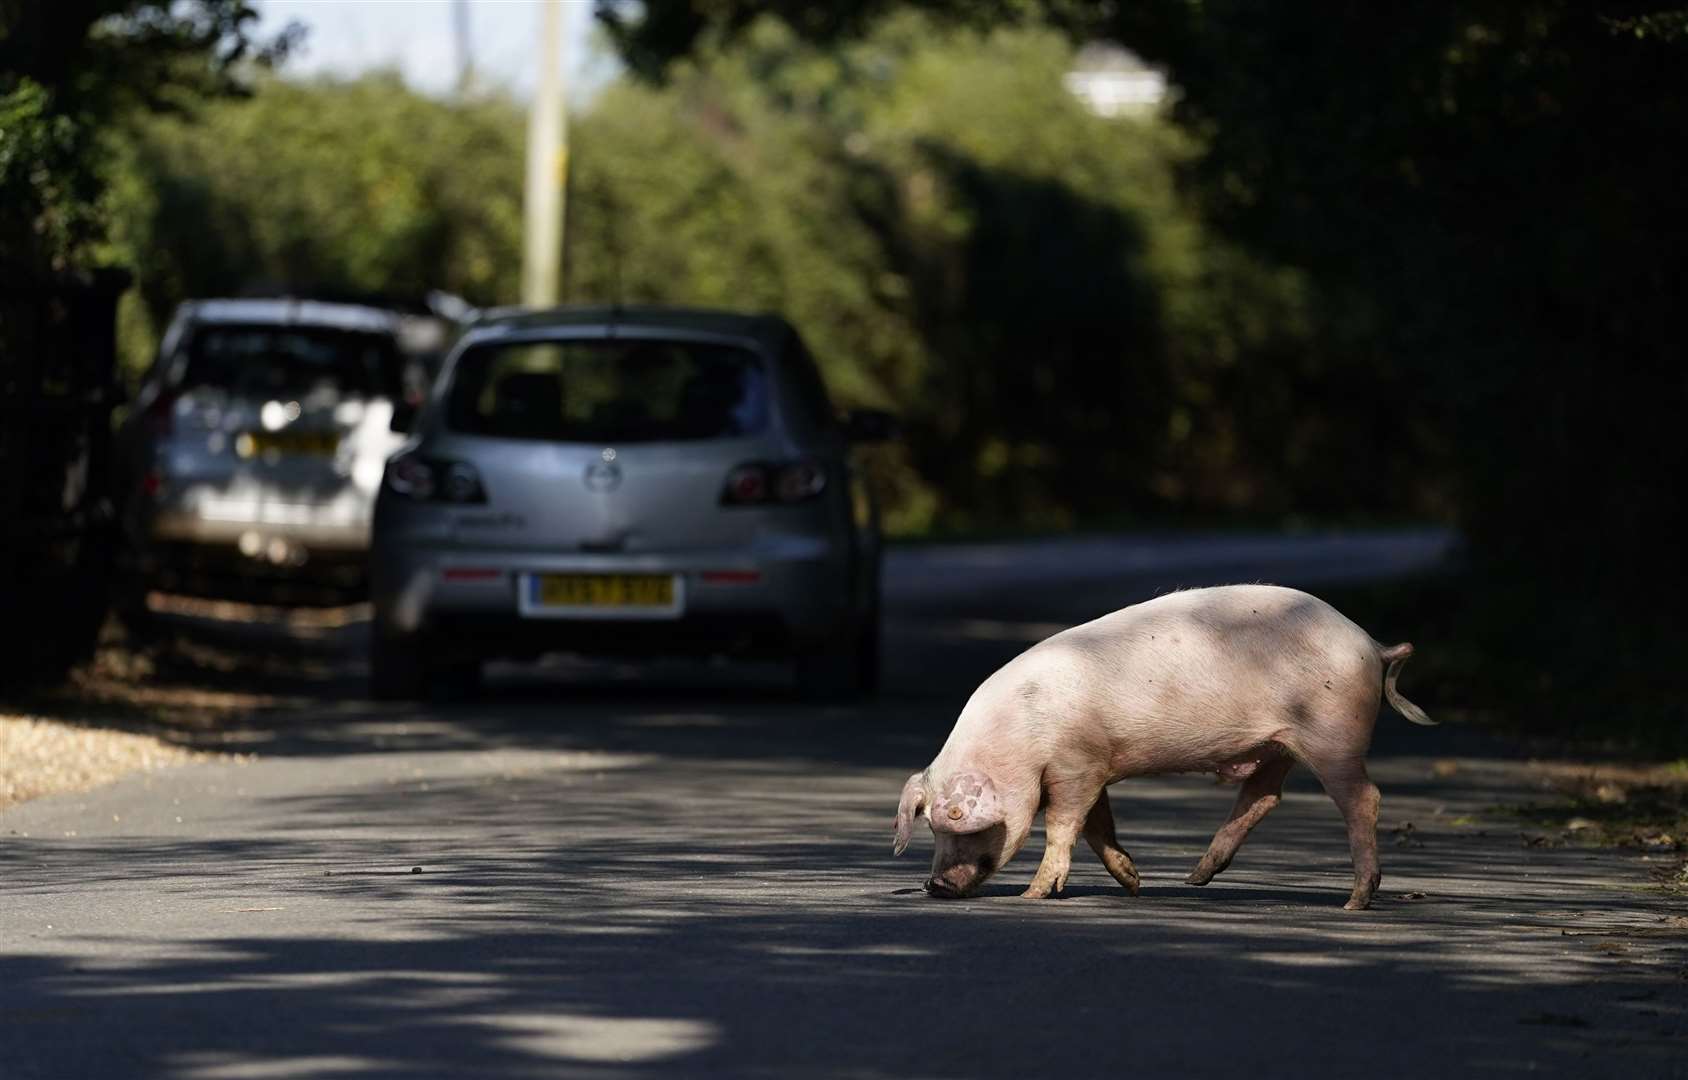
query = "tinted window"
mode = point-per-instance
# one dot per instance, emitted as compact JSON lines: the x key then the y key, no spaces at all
{"x":271,"y":361}
{"x":608,"y":391}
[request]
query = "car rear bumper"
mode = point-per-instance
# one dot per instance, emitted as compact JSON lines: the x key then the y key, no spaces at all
{"x":340,"y":528}
{"x":789,"y":593}
{"x":253,"y":544}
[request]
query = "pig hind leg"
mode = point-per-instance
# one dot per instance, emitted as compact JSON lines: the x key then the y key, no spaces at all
{"x":1099,"y":833}
{"x":1357,"y":797}
{"x":1332,"y":742}
{"x":1262,"y":790}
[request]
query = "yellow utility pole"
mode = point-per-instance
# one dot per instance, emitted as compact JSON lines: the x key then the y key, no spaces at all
{"x":547,"y":167}
{"x":465,"y":51}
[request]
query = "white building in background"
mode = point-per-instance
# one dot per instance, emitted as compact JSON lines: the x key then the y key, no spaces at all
{"x":1112,"y":81}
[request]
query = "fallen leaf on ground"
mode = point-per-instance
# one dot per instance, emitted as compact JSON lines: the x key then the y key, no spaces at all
{"x":1611,"y":793}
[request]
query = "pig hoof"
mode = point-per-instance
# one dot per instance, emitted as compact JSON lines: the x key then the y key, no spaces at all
{"x":1037,"y":890}
{"x":1123,"y":870}
{"x":1364,"y":889}
{"x":1198,"y":876}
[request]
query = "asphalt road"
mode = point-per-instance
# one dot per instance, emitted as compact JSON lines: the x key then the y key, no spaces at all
{"x":609,"y":870}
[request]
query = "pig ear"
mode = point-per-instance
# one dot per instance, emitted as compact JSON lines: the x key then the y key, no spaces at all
{"x":909,"y":808}
{"x":968,"y":804}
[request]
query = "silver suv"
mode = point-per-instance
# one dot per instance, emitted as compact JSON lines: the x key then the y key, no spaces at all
{"x":627,"y":480}
{"x":255,"y":448}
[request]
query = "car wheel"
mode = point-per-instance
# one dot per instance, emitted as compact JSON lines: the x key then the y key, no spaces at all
{"x":398,"y":668}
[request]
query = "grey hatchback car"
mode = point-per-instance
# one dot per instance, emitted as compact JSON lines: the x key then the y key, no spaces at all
{"x":632,"y":480}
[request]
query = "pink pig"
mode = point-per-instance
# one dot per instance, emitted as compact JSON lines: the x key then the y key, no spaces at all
{"x":1241,"y":680}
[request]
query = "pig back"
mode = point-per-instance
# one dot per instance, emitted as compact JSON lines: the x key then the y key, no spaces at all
{"x":1186,"y":682}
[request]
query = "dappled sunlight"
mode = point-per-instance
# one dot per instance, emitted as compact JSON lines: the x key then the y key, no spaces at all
{"x":302,"y":620}
{"x":1313,"y":960}
{"x":582,"y":921}
{"x":680,"y":720}
{"x":599,"y":1038}
{"x":214,"y":1066}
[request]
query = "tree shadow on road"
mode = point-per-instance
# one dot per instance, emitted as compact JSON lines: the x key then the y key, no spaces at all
{"x":597,"y":943}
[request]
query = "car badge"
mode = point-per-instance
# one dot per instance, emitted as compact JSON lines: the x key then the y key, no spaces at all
{"x":603,"y":475}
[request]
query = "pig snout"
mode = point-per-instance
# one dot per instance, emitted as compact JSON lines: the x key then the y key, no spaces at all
{"x":960,"y":879}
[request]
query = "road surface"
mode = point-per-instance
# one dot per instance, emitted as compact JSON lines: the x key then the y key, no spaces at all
{"x":678,"y":870}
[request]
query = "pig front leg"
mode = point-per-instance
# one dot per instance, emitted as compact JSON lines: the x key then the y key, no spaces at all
{"x":1060,"y":832}
{"x":1099,"y":832}
{"x":1063,"y":816}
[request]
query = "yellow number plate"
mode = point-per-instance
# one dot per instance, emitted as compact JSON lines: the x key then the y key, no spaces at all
{"x":606,"y":590}
{"x":315,"y":443}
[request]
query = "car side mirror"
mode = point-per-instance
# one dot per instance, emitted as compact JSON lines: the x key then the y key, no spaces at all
{"x":869,"y":425}
{"x":404,"y":417}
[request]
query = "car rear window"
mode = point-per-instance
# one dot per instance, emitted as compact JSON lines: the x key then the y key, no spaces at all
{"x":272,"y":361}
{"x":615,"y":390}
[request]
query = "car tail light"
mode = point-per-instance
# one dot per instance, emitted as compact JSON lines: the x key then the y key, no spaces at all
{"x":746,"y":484}
{"x":799,"y":480}
{"x":760,"y":483}
{"x":432,"y":480}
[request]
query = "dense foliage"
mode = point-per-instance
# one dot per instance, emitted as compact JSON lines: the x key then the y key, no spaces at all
{"x":1017,"y":276}
{"x":71,"y":68}
{"x":358,"y":187}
